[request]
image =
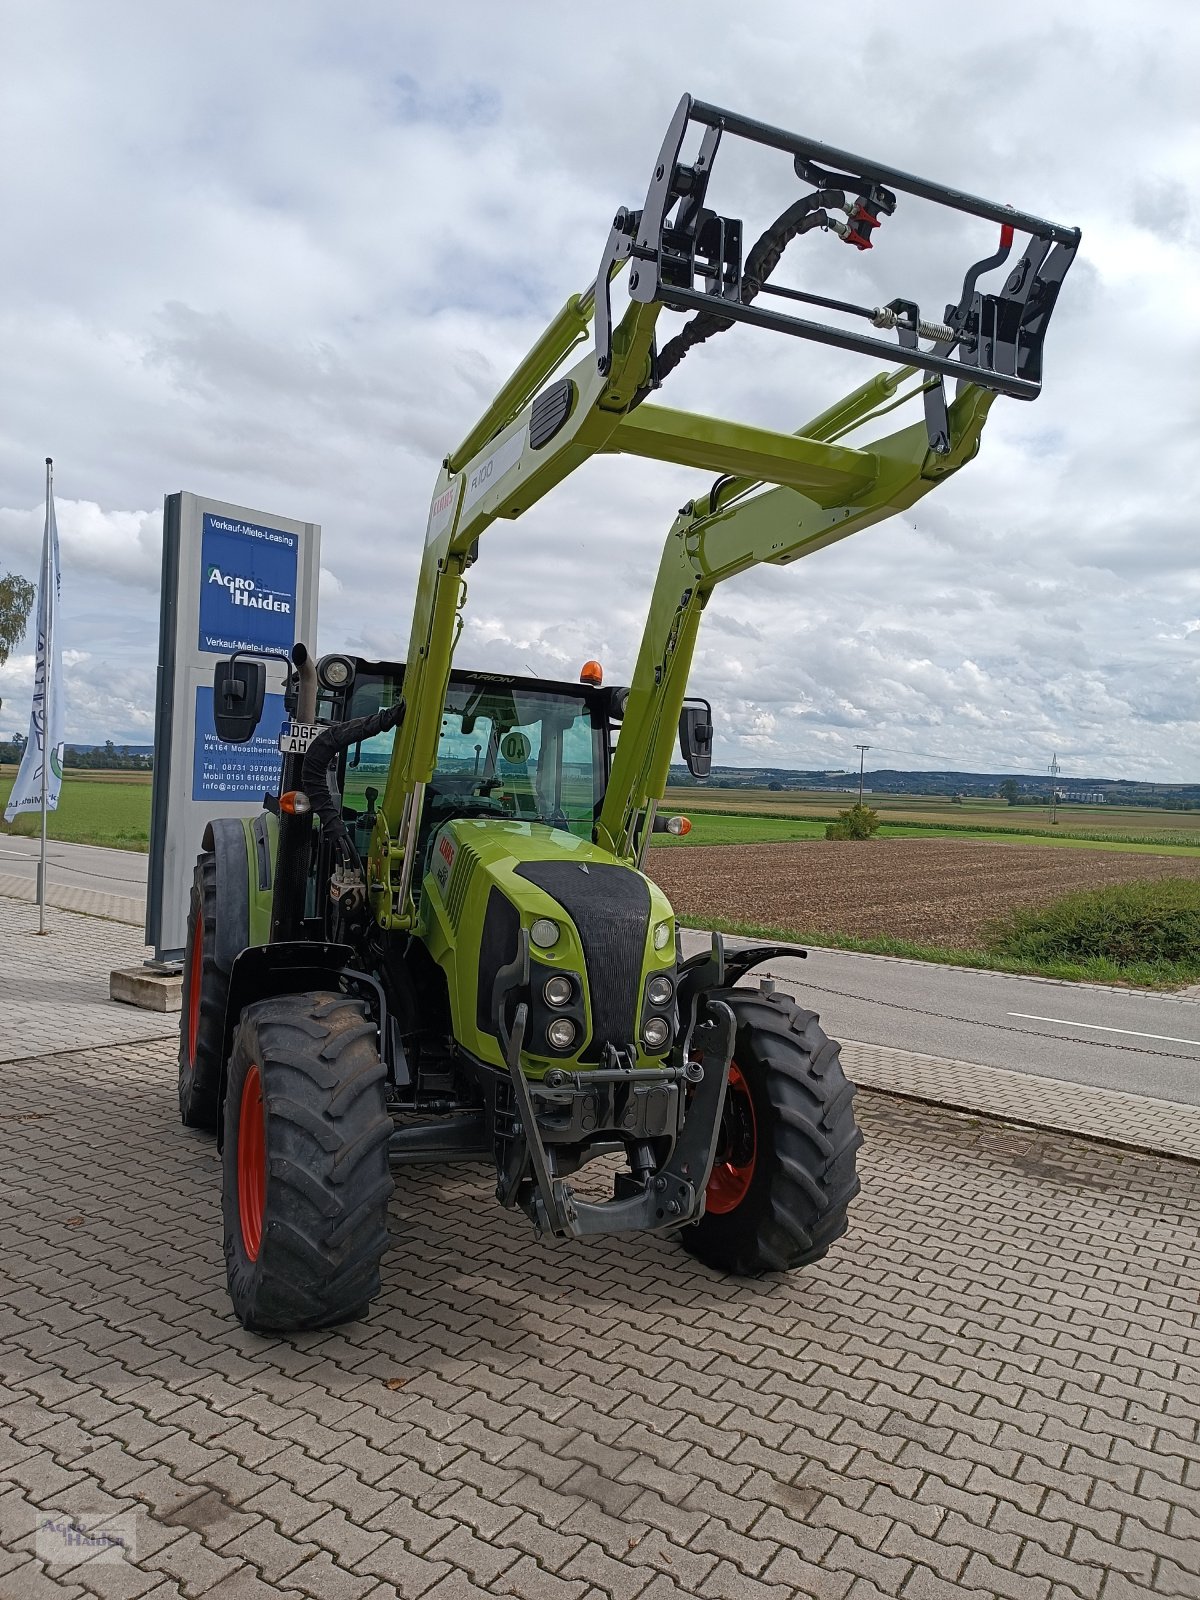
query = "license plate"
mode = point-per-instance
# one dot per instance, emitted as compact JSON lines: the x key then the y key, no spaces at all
{"x":296,"y":737}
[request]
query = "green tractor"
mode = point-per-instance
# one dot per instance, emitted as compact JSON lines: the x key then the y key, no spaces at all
{"x":437,"y":941}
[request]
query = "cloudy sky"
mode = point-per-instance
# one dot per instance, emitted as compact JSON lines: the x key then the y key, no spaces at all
{"x":283,"y":253}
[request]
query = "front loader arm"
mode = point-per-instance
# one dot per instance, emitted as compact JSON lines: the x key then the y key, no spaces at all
{"x":712,"y":540}
{"x":529,"y":444}
{"x":682,"y":256}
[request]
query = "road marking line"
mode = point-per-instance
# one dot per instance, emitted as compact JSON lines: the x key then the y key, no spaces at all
{"x":1065,"y":1022}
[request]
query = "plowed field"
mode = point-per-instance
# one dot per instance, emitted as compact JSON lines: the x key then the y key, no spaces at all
{"x":933,"y":891}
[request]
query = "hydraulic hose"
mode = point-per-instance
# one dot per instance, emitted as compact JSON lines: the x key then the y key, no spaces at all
{"x":803,"y":215}
{"x":320,"y":756}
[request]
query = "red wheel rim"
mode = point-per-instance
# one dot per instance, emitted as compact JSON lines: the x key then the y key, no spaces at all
{"x":737,"y":1147}
{"x":194,"y":978}
{"x":252,"y":1162}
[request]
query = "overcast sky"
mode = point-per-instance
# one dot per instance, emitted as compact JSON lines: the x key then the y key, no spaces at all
{"x":283,"y":253}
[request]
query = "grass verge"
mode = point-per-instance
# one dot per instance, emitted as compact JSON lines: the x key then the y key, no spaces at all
{"x":91,"y":810}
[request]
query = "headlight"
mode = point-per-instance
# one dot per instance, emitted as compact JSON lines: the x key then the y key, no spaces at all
{"x":662,"y":935}
{"x":561,"y":1033}
{"x":656,"y":1033}
{"x":544,"y":933}
{"x":558,"y":990}
{"x":660,"y":990}
{"x":334,"y":672}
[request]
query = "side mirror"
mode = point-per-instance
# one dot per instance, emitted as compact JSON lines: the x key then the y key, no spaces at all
{"x":239,"y":691}
{"x":696,"y":737}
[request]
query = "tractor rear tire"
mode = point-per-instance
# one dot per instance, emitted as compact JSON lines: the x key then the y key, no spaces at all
{"x":202,"y":1018}
{"x":784,"y":1174}
{"x":305,"y":1180}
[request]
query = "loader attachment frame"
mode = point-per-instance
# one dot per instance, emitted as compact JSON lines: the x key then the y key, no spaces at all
{"x":778,"y":496}
{"x":685,"y":255}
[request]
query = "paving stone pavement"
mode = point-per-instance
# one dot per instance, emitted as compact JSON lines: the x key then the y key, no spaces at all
{"x":54,"y":987}
{"x":130,"y":909}
{"x":1163,"y":1126}
{"x":991,"y":1387}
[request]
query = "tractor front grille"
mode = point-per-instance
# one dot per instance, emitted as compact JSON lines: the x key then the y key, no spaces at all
{"x":610,"y":907}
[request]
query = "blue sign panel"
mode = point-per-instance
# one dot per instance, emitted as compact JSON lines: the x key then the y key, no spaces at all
{"x":240,"y":772}
{"x":247,"y":586}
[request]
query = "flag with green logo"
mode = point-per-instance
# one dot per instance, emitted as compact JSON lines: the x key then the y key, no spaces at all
{"x":47,"y":721}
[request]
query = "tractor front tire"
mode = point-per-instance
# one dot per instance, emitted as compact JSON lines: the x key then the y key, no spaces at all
{"x":202,"y":1018}
{"x":784,"y":1172}
{"x":305,"y":1181}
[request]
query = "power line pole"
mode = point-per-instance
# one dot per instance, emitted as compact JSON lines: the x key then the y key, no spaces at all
{"x":1054,"y":771}
{"x":862,"y":756}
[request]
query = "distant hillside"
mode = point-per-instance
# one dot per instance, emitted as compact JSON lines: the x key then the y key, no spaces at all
{"x":123,"y":749}
{"x":97,"y":757}
{"x":1031,"y":787}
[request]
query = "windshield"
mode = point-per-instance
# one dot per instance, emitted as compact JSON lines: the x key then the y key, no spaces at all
{"x":518,"y":752}
{"x":504,"y":750}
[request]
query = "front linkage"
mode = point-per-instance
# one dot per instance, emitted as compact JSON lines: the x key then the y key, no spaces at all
{"x":669,"y":1120}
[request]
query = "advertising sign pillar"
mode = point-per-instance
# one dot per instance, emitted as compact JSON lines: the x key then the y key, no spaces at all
{"x":232,"y":579}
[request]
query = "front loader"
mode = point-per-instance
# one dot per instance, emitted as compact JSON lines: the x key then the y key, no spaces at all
{"x":437,"y":941}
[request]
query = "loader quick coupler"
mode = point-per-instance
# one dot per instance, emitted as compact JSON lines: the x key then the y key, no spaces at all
{"x":689,"y":258}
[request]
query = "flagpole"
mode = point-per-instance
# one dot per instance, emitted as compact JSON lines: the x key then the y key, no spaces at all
{"x":48,"y":602}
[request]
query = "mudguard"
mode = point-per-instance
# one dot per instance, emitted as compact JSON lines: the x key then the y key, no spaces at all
{"x":226,"y":838}
{"x":262,"y":971}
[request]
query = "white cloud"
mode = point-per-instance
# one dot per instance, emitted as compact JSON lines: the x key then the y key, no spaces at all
{"x":291,"y":275}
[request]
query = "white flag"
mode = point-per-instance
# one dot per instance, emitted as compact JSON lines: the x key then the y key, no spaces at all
{"x":47,"y":721}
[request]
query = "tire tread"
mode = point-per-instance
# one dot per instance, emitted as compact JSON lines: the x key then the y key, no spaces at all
{"x":790,"y":1218}
{"x":200,"y":1079}
{"x":328,"y":1178}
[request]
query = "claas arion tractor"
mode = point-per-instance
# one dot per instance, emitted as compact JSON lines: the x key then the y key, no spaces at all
{"x":437,"y":941}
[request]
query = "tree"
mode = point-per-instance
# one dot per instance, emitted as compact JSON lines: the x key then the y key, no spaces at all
{"x":857,"y":822}
{"x":1010,"y":790}
{"x":16,"y":602}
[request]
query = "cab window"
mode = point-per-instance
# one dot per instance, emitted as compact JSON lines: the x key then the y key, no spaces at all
{"x":503,"y":751}
{"x":508,"y":751}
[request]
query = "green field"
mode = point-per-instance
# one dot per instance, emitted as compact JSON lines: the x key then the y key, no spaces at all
{"x":110,"y":808}
{"x":935,"y":809}
{"x":113,"y":808}
{"x":715,"y":827}
{"x":761,"y":816}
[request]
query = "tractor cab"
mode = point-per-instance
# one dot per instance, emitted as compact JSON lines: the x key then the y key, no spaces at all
{"x":509,"y":748}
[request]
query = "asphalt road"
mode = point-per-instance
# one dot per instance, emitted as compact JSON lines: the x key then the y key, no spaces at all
{"x":1115,"y":1039}
{"x":82,"y":866}
{"x":1110,"y":1038}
